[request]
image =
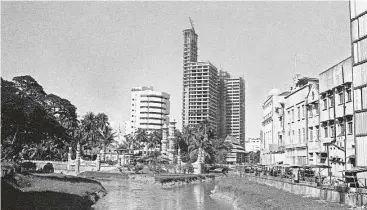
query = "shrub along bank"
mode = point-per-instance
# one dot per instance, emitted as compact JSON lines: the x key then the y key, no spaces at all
{"x":49,"y":191}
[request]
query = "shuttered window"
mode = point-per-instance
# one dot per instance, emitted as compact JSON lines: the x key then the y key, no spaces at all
{"x":364,"y":98}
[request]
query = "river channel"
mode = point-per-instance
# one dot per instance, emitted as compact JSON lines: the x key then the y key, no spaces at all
{"x":123,"y":194}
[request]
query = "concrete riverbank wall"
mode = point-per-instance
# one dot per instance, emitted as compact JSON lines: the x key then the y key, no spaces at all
{"x":353,"y":197}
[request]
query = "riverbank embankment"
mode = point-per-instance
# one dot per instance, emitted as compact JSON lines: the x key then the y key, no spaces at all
{"x":170,"y":180}
{"x":245,"y":194}
{"x":163,"y":180}
{"x":49,"y":191}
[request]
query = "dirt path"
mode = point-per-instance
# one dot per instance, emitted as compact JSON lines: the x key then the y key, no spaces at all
{"x":249,"y":195}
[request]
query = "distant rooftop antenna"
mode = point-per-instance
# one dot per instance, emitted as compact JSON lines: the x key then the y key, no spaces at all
{"x":192,"y":25}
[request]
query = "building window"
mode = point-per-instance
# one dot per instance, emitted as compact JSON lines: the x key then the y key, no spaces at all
{"x":299,"y":135}
{"x":317,"y":111}
{"x":311,"y":156}
{"x":326,"y":132}
{"x":310,"y":111}
{"x":341,"y":97}
{"x":349,"y":95}
{"x":350,"y":127}
{"x":332,"y":131}
{"x":341,"y":128}
{"x":331,"y":101}
{"x":303,"y":111}
{"x":292,"y":115}
{"x":311,"y":134}
{"x":303,"y":135}
{"x":317,"y":133}
{"x":364,"y":96}
{"x":299,"y":113}
{"x":325,"y":103}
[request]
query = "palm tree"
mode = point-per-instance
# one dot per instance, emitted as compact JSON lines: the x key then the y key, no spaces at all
{"x":131,"y":144}
{"x":101,"y":121}
{"x":107,"y":137}
{"x":184,"y":138}
{"x":221,"y":149}
{"x":154,"y":139}
{"x":141,"y":138}
{"x":200,"y":138}
{"x":88,"y":126}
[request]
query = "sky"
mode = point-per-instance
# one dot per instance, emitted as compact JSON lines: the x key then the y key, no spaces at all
{"x":93,"y":53}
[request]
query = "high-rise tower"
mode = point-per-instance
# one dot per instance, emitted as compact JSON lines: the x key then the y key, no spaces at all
{"x":200,"y":85}
{"x":358,"y":18}
{"x":149,"y":109}
{"x":232,"y":107}
{"x":190,"y":46}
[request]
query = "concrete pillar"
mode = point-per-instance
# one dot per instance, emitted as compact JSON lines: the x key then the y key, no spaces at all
{"x":103,"y":155}
{"x":179,"y":162}
{"x":164,"y":139}
{"x":118,"y":160}
{"x":201,"y":156}
{"x":77,"y":160}
{"x":69,"y":154}
{"x":69,"y":159}
{"x":171,"y":138}
{"x":98,"y":162}
{"x":123,"y":159}
{"x":199,"y":164}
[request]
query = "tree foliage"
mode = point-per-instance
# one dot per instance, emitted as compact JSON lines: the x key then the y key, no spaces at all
{"x":37,"y":125}
{"x":202,"y":136}
{"x":24,"y":119}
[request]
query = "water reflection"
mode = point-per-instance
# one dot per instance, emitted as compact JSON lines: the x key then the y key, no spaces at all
{"x":136,"y":196}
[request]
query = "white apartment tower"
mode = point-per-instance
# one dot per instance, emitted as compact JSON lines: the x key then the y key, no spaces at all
{"x":149,"y":109}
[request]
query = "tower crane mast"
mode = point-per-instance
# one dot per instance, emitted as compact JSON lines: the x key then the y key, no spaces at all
{"x":192,"y":24}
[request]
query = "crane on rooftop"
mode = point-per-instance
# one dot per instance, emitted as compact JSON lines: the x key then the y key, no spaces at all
{"x":192,"y":25}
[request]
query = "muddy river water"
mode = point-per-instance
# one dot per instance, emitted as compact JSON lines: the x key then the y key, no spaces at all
{"x":123,"y":194}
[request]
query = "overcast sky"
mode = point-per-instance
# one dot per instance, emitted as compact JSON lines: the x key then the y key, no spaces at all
{"x":93,"y":53}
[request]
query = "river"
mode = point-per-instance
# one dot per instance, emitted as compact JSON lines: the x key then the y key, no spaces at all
{"x":123,"y":194}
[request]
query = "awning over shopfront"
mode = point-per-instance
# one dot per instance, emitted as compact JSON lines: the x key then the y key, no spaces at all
{"x":316,"y":166}
{"x":355,"y":170}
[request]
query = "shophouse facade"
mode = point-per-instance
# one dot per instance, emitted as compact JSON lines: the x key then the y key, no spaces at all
{"x":336,"y":116}
{"x":296,"y":152}
{"x":272,"y":143}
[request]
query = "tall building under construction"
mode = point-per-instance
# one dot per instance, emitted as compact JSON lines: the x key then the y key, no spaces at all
{"x":212,"y":95}
{"x":200,"y":80}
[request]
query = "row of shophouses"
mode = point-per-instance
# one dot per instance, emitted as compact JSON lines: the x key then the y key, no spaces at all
{"x":313,"y":122}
